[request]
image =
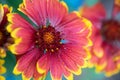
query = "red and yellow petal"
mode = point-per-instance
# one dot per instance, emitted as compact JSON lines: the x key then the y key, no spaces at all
{"x":43,"y":64}
{"x":68,"y":75}
{"x":56,"y":67}
{"x":97,"y":47}
{"x":1,"y":12}
{"x":2,"y":53}
{"x":4,"y":10}
{"x":23,"y":40}
{"x":2,"y":68}
{"x":38,"y":76}
{"x":21,"y":22}
{"x":96,"y":13}
{"x":70,"y":64}
{"x":26,"y":64}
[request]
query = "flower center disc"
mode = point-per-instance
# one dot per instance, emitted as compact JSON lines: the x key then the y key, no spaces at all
{"x":111,"y":30}
{"x":48,"y":39}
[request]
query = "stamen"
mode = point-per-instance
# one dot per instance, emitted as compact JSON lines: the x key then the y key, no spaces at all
{"x":46,"y":50}
{"x":52,"y":50}
{"x":37,"y":33}
{"x":57,"y":48}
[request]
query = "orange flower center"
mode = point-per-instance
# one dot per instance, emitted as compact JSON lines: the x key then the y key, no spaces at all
{"x":48,"y":39}
{"x":111,"y":30}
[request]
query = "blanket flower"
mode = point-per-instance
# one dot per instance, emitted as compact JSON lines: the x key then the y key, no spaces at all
{"x":56,"y":43}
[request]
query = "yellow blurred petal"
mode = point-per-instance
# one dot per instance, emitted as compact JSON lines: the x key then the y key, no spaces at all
{"x":99,"y":68}
{"x":118,"y":65}
{"x":1,"y":62}
{"x":2,"y":70}
{"x":2,"y":53}
{"x":90,"y":65}
{"x":2,"y":77}
{"x":85,"y":64}
{"x":116,"y":57}
{"x":109,"y":74}
{"x":1,"y":12}
{"x":99,"y":52}
{"x":81,"y":10}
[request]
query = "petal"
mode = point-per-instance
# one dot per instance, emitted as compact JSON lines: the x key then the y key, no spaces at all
{"x":97,"y":47}
{"x":1,"y":13}
{"x":36,"y":12}
{"x":69,"y":21}
{"x":27,"y":64}
{"x":56,"y":67}
{"x":110,"y":69}
{"x":24,"y":40}
{"x":75,"y":54}
{"x":2,"y":52}
{"x":67,"y":74}
{"x":1,"y":62}
{"x":56,"y":13}
{"x":78,"y":33}
{"x":70,"y":64}
{"x":17,"y":21}
{"x":2,"y":78}
{"x":2,"y":69}
{"x":101,"y":64}
{"x":24,"y":34}
{"x":43,"y":64}
{"x":96,"y":13}
{"x":38,"y":76}
{"x":4,"y":10}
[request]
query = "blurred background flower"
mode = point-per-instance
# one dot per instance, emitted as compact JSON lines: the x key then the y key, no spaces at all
{"x":106,"y":36}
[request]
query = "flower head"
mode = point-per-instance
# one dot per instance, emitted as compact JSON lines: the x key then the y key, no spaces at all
{"x":105,"y":53}
{"x":4,"y":10}
{"x":57,"y":42}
